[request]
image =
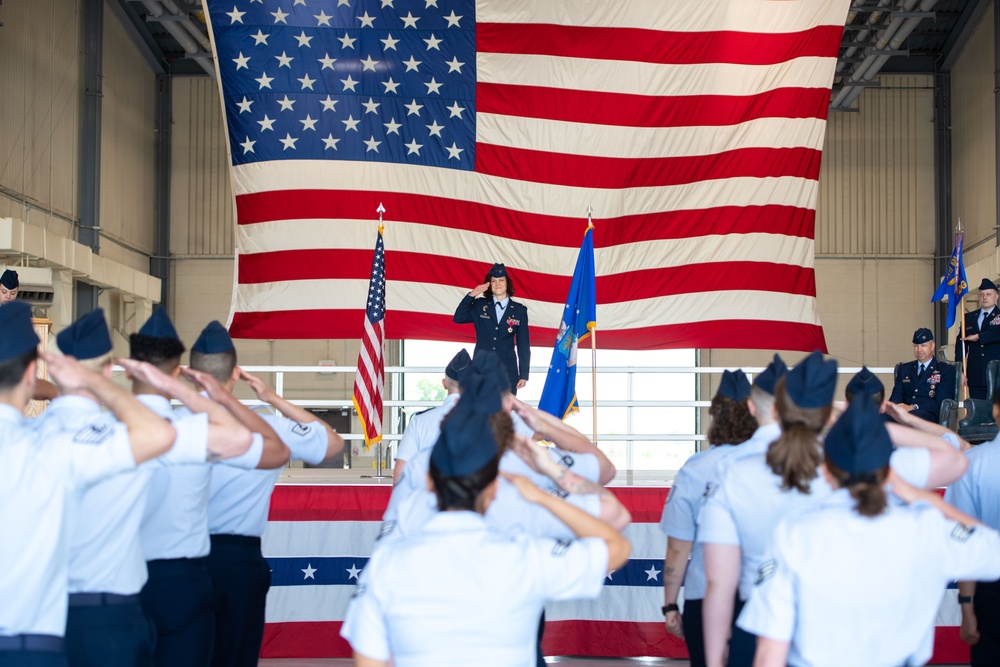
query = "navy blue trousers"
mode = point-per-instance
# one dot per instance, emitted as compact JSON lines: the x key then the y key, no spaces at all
{"x":987,"y":605}
{"x":742,"y":644}
{"x":101,"y":635}
{"x":31,"y":659}
{"x":694,"y":638}
{"x":178,"y":600}
{"x":240,"y":581}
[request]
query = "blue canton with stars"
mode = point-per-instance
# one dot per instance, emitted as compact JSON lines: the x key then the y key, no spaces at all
{"x":374,"y":80}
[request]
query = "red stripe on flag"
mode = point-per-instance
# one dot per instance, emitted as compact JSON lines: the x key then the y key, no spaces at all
{"x":582,"y":106}
{"x":645,"y":504}
{"x":607,"y":172}
{"x":754,"y":334}
{"x":322,"y":639}
{"x":329,"y":503}
{"x":641,"y":284}
{"x":658,"y":46}
{"x":522,"y":226}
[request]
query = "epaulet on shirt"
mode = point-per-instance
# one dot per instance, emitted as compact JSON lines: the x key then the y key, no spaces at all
{"x":422,"y":412}
{"x":93,"y":434}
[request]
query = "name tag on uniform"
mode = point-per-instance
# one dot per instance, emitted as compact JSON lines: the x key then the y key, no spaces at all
{"x":906,"y":379}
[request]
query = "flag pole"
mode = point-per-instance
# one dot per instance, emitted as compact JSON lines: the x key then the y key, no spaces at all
{"x":379,"y":454}
{"x":965,"y":347}
{"x":593,"y":343}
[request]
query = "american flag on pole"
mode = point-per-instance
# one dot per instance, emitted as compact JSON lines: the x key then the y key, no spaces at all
{"x":694,"y":127}
{"x":370,"y":378}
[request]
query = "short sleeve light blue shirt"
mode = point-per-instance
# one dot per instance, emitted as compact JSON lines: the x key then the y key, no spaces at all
{"x":977,"y":492}
{"x":827,"y":558}
{"x":746,"y":506}
{"x":40,"y":470}
{"x":449,"y":596}
{"x":239,"y":499}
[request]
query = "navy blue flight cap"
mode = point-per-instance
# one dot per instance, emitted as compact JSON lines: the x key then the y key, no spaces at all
{"x":769,"y":377}
{"x":457,"y":365}
{"x":498,"y":271}
{"x":988,"y":284}
{"x":734,"y":385}
{"x":214,"y":339}
{"x":864,"y":382}
{"x":159,"y":326}
{"x":812,"y":382}
{"x":87,"y":338}
{"x":858,"y":443}
{"x":922,"y":335}
{"x":9,"y":279}
{"x":466,"y":443}
{"x":17,"y":335}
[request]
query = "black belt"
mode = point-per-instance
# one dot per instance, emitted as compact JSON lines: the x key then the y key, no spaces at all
{"x":45,"y":643}
{"x":238,"y":540}
{"x":100,"y":599}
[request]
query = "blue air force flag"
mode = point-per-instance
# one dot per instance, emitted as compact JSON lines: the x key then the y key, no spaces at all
{"x":954,"y":284}
{"x":579,"y":319}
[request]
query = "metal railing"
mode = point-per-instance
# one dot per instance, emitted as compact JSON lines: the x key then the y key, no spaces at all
{"x":394,"y":424}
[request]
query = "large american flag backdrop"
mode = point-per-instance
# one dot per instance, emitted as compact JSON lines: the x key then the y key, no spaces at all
{"x":319,"y":537}
{"x":694,"y":128}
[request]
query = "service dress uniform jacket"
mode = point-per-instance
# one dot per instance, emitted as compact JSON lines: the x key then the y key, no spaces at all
{"x":924,"y":390}
{"x":981,"y":352}
{"x":501,"y":336}
{"x":845,"y":589}
{"x":475,"y":609}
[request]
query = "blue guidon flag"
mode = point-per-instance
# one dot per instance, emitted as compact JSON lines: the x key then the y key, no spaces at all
{"x":578,"y":322}
{"x":695,"y":129}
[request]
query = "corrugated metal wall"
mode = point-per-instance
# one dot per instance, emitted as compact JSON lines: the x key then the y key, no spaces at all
{"x":973,"y":134}
{"x":40,"y":72}
{"x":201,"y":204}
{"x":876,"y":192}
{"x":128,"y":142}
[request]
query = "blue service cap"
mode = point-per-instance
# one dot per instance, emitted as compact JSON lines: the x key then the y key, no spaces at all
{"x":9,"y":279}
{"x":858,"y":443}
{"x":812,"y":382}
{"x":988,"y":284}
{"x":466,"y":443}
{"x":457,"y":365}
{"x":922,"y":335}
{"x":769,"y":377}
{"x":734,"y":385}
{"x":159,"y":326}
{"x":87,"y":337}
{"x":864,"y":382}
{"x":498,"y":271}
{"x":17,"y":335}
{"x":214,"y":339}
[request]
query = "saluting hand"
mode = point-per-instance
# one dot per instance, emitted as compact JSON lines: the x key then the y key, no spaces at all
{"x":208,"y":383}
{"x":68,"y":373}
{"x":147,"y":373}
{"x":479,"y":289}
{"x":259,"y":387}
{"x":525,"y":487}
